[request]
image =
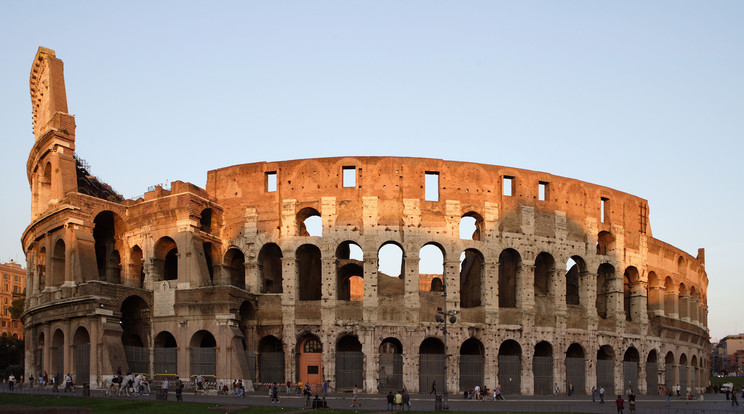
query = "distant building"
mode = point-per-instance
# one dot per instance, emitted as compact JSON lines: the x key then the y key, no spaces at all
{"x":733,"y":352}
{"x":716,"y":358}
{"x":13,"y":287}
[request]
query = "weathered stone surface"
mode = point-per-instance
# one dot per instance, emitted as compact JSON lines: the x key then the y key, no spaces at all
{"x":235,"y":280}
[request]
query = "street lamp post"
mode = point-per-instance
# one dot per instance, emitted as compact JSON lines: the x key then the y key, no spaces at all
{"x":441,"y":317}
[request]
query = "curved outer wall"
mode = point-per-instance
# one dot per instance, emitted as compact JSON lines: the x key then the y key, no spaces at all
{"x":562,"y":283}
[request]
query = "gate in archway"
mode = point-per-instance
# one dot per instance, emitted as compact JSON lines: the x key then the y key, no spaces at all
{"x":683,"y":378}
{"x":630,"y":375}
{"x":669,"y":376}
{"x":431,"y":368}
{"x":270,"y":367}
{"x":575,"y":374}
{"x":82,"y":363}
{"x":391,"y":372}
{"x":471,"y":371}
{"x":204,"y":361}
{"x":166,"y":361}
{"x":542,"y":369}
{"x":138,"y":358}
{"x":349,"y":369}
{"x":606,"y":375}
{"x":510,"y":373}
{"x":652,"y":378}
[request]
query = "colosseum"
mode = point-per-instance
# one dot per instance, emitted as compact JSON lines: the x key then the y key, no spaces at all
{"x":313,"y":270}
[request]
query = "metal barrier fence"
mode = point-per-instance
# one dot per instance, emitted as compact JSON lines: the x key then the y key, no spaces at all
{"x":510,"y":373}
{"x":542,"y":369}
{"x":606,"y":375}
{"x":82,"y":363}
{"x":166,"y":361}
{"x":630,"y":375}
{"x":431,"y":368}
{"x":471,"y":371}
{"x":576,"y":374}
{"x":391,"y":372}
{"x":138,"y":358}
{"x":652,"y":377}
{"x":271,"y":367}
{"x":204,"y":361}
{"x":349,"y":369}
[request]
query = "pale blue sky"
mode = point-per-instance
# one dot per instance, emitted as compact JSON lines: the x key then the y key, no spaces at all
{"x":645,"y":97}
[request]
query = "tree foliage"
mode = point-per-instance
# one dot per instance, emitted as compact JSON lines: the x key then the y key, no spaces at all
{"x":16,"y":307}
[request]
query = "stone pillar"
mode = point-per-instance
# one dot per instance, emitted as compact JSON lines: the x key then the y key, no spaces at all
{"x":289,"y":296}
{"x":526,"y":293}
{"x":490,"y":296}
{"x":371,"y":359}
{"x":588,"y":298}
{"x":452,"y":284}
{"x":68,"y":348}
{"x":528,"y":377}
{"x":639,"y":303}
{"x":371,"y":300}
{"x":411,"y":281}
{"x":670,"y":298}
{"x":619,"y":379}
{"x":656,"y":300}
{"x":590,"y":373}
{"x":558,"y":289}
{"x":615,"y":298}
{"x":559,"y":370}
{"x":694,"y":306}
{"x":642,"y":383}
{"x":329,"y":290}
{"x":684,"y":307}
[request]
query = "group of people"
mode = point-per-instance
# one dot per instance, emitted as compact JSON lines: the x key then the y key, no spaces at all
{"x":480,"y":393}
{"x":43,"y":381}
{"x":399,"y":402}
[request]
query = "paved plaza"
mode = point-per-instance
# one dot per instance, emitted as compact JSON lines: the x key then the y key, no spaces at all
{"x":711,"y":403}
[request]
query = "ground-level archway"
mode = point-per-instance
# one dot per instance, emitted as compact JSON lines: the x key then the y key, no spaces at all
{"x":349,"y":363}
{"x":510,"y":367}
{"x":310,"y":361}
{"x":391,"y":365}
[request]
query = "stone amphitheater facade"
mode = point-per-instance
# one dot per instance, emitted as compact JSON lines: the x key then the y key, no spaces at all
{"x":556,"y":280}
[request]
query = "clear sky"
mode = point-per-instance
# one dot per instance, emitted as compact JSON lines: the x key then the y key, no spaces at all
{"x":646,"y":97}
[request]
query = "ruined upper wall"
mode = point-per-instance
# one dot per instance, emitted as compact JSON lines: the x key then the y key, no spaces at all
{"x":392,"y":180}
{"x":47,"y":84}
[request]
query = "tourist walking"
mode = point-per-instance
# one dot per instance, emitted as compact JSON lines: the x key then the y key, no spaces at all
{"x":594,"y":395}
{"x":179,"y":390}
{"x":399,"y":401}
{"x":31,"y":381}
{"x":733,"y":397}
{"x":68,"y":383}
{"x":355,"y":397}
{"x":570,"y":389}
{"x":55,"y":383}
{"x":390,"y":400}
{"x":11,"y":382}
{"x":406,"y":400}
{"x":556,"y":391}
{"x":325,"y":388}
{"x":601,"y":394}
{"x":274,"y":394}
{"x":631,"y":401}
{"x":433,"y":388}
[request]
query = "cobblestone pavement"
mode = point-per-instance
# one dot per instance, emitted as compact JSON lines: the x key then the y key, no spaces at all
{"x":711,"y":403}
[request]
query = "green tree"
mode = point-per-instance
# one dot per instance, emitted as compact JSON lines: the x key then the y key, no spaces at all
{"x":16,"y":307}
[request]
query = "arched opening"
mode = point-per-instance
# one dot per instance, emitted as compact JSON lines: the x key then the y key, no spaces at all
{"x":309,"y":363}
{"x":81,"y":355}
{"x":654,"y":302}
{"x":542,"y":368}
{"x":669,"y":370}
{"x":693,"y":374}
{"x":209,"y":253}
{"x":135,"y":325}
{"x":41,"y":268}
{"x":205,"y":220}
{"x":472,"y":356}
{"x":309,"y":222}
{"x":235,"y":261}
{"x":203,"y":356}
{"x":630,"y":369}
{"x":41,"y":367}
{"x":136,"y":268}
{"x":683,"y":373}
{"x":270,"y":268}
{"x":683,"y":302}
{"x":431,"y":268}
{"x":606,"y":368}
{"x":431,"y":364}
{"x":349,"y":363}
{"x":391,"y":365}
{"x":45,"y":190}
{"x":631,"y":294}
{"x":670,"y":298}
{"x":57,"y":352}
{"x":510,"y":367}
{"x":165,"y":354}
{"x":509,"y":265}
{"x":471,"y":226}
{"x":575,"y":267}
{"x":309,"y":272}
{"x":694,"y":300}
{"x":58,"y":263}
{"x":605,"y":274}
{"x":544,"y":274}
{"x":270,"y":360}
{"x":166,"y":259}
{"x":471,"y":270}
{"x":576,"y":367}
{"x":605,"y":242}
{"x":349,"y":272}
{"x":105,"y":235}
{"x":391,"y":265}
{"x":652,"y":373}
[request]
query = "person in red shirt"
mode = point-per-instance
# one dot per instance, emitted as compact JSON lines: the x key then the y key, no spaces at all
{"x":620,"y":404}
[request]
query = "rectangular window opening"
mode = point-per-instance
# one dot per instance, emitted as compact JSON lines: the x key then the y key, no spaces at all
{"x":542,"y":191}
{"x":431,"y":186}
{"x":271,"y":181}
{"x":604,"y":213}
{"x":312,"y":369}
{"x":508,"y":183}
{"x":349,"y":176}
